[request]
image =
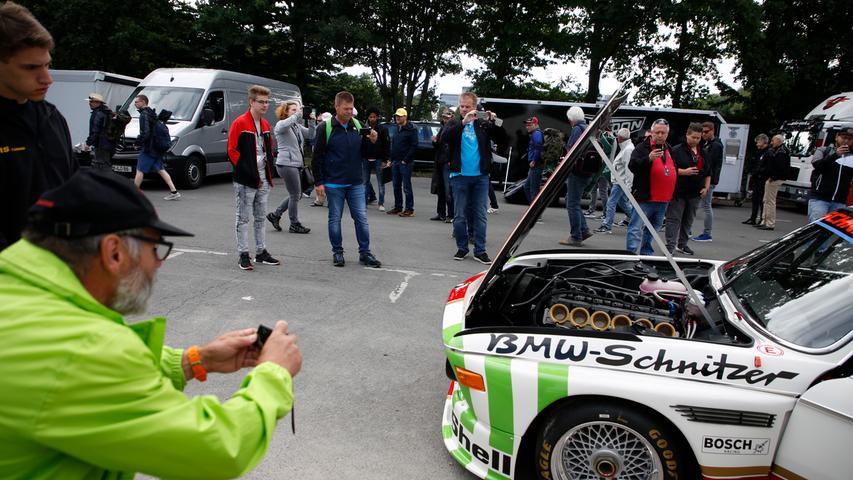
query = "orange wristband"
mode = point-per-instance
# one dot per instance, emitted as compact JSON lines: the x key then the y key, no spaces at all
{"x":199,"y":373}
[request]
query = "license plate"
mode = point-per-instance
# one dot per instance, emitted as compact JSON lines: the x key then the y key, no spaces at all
{"x":122,"y":168}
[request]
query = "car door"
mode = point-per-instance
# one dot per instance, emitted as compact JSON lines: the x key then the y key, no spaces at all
{"x":816,"y":442}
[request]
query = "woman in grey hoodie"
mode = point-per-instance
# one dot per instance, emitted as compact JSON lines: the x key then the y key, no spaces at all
{"x":290,"y":136}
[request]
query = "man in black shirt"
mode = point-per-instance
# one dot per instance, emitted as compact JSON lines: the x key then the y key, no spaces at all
{"x":35,"y":144}
{"x":692,"y":184}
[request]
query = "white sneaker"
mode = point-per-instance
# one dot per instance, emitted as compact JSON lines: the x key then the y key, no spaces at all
{"x":172,"y":196}
{"x":381,"y":208}
{"x":492,"y":210}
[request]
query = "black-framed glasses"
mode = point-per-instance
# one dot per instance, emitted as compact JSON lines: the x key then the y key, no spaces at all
{"x":162,"y":248}
{"x":262,"y":102}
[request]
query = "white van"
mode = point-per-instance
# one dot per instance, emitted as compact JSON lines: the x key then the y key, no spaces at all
{"x":203,"y":103}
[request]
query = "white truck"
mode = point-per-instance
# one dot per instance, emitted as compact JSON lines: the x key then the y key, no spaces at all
{"x":804,"y":136}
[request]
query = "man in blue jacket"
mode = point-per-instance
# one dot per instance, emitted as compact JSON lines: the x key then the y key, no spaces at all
{"x":403,"y":147}
{"x":534,"y":159}
{"x":338,"y":176}
{"x":469,"y":144}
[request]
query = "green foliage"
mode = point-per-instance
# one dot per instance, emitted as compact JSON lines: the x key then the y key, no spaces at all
{"x":362,"y":88}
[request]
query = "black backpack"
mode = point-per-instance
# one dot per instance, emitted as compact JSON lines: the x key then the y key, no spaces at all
{"x":160,"y":138}
{"x":114,"y":124}
{"x":590,"y":162}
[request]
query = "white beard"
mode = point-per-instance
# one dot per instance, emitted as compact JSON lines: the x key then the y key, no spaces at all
{"x":132,"y":292}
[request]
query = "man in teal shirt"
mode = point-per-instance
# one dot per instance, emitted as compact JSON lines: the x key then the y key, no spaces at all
{"x":86,"y":395}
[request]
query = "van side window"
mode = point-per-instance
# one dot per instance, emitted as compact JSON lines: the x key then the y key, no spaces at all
{"x":216,"y":102}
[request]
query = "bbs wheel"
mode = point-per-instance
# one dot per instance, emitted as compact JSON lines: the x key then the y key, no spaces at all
{"x":609,"y":440}
{"x":193,"y":173}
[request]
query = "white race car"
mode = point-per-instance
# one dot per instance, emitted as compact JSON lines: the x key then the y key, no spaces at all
{"x":570,"y":364}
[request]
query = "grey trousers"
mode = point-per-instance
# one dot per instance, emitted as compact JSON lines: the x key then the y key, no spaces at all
{"x":293,"y":184}
{"x":679,"y":219}
{"x":102,"y":159}
{"x":251,"y":201}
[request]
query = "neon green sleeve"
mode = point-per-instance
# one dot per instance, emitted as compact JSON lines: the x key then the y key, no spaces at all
{"x":170,"y":365}
{"x":115,"y":407}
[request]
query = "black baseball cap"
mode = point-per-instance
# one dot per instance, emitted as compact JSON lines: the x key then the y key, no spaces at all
{"x":846,"y":131}
{"x":92,"y":202}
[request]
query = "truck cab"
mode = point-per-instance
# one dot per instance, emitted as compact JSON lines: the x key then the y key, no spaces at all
{"x":805,"y":136}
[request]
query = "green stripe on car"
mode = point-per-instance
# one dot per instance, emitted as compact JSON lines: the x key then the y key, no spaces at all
{"x":499,"y":388}
{"x":553,"y":383}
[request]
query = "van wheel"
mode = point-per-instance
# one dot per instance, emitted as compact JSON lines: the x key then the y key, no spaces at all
{"x":609,"y":440}
{"x":193,"y":173}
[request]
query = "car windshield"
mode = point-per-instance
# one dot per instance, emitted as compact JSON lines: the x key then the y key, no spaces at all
{"x":182,"y":102}
{"x":799,"y":287}
{"x":801,"y":143}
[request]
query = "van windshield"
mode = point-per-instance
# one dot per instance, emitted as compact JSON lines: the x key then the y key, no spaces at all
{"x":182,"y":102}
{"x":801,"y":143}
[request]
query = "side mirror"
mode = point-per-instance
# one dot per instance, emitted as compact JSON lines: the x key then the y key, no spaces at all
{"x":207,"y":117}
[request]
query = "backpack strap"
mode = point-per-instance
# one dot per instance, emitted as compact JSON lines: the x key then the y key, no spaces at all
{"x":329,"y":127}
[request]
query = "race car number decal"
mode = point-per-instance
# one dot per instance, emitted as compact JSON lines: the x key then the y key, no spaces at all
{"x":617,"y":355}
{"x":735,"y":445}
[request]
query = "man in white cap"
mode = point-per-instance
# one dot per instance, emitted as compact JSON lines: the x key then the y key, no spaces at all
{"x":97,"y":140}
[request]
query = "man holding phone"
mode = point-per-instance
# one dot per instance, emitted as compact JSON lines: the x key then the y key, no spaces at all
{"x":403,"y":147}
{"x":654,"y":182}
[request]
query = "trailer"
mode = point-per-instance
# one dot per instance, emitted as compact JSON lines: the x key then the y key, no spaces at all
{"x":735,"y":137}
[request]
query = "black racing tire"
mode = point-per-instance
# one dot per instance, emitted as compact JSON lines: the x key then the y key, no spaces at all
{"x":192,"y":174}
{"x":609,"y":438}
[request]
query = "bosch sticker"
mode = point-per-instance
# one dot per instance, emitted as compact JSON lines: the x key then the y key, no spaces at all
{"x":735,"y":445}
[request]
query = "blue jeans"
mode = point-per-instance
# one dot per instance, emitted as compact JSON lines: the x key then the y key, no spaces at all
{"x":705,"y":204}
{"x":575,"y":185}
{"x":401,"y":176}
{"x":354,"y":195}
{"x":373,"y":167}
{"x":819,"y":208}
{"x":533,"y":184}
{"x":617,"y":197}
{"x":470,"y":193}
{"x":656,"y":212}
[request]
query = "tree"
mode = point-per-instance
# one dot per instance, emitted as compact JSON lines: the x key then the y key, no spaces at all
{"x":509,"y":38}
{"x":405,"y":45}
{"x":121,"y":37}
{"x":682,"y":54}
{"x":606,"y":35}
{"x":362,"y":87}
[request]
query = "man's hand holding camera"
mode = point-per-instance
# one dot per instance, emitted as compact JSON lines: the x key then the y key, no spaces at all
{"x":237,"y":350}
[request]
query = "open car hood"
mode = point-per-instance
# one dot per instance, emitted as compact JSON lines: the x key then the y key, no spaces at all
{"x":548,"y":193}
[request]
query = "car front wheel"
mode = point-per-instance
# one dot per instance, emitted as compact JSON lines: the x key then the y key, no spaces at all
{"x":609,"y":440}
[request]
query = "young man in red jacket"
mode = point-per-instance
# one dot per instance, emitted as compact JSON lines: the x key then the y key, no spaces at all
{"x":251,"y":154}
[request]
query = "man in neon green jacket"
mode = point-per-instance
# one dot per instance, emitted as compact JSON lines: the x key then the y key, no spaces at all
{"x":84,"y":394}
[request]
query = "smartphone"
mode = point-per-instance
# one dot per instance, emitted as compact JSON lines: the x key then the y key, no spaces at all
{"x":364,"y":131}
{"x":482,"y":115}
{"x":263,"y":334}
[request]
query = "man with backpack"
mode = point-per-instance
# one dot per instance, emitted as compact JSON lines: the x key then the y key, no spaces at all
{"x":152,"y":153}
{"x":99,"y":124}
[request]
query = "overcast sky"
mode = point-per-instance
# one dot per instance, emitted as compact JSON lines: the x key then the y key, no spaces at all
{"x":552,"y":75}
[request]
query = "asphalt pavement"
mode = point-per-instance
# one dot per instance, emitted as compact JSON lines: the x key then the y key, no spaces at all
{"x":372,"y":388}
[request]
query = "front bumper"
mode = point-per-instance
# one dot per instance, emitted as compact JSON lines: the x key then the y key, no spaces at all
{"x":467,"y":440}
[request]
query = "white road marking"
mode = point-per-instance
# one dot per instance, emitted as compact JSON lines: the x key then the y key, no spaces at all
{"x":174,"y":253}
{"x":398,"y":292}
{"x":248,"y":299}
{"x":189,"y":250}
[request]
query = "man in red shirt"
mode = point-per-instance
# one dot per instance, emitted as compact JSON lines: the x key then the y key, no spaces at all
{"x":654,"y":182}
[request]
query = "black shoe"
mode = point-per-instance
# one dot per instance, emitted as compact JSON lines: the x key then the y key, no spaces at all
{"x":603,"y":229}
{"x":298,"y":228}
{"x":448,"y":220}
{"x":265,"y":258}
{"x":483,"y":258}
{"x":765,"y":227}
{"x":338,"y":259}
{"x":368,"y":260}
{"x":586,"y":235}
{"x":245,"y":262}
{"x":274,"y":220}
{"x":748,"y":221}
{"x":438,"y":218}
{"x":758,"y":225}
{"x":394,"y":211}
{"x":686,"y":250}
{"x":460,"y":255}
